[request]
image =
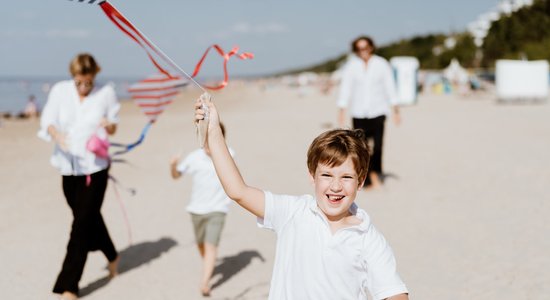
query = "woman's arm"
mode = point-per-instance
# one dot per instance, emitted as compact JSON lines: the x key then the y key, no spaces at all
{"x":58,"y":137}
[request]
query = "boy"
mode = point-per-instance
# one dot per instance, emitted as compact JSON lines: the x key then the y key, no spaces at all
{"x":208,"y":206}
{"x":326,"y":246}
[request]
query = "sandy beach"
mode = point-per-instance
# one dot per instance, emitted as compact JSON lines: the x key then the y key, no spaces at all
{"x":465,"y":206}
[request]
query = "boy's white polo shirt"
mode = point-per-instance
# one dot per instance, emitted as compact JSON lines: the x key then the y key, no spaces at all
{"x":313,"y":263}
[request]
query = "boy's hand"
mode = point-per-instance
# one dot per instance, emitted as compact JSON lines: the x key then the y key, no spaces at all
{"x":200,"y":113}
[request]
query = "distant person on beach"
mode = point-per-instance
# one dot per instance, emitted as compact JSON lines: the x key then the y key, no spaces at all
{"x":368,"y":94}
{"x":75,"y":113}
{"x":327,"y":248}
{"x":208,"y":206}
{"x":31,"y":109}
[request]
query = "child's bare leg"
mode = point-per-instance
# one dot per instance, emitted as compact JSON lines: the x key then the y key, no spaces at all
{"x":113,"y":267}
{"x":209,"y":260}
{"x":201,"y":249}
{"x":68,"y":296}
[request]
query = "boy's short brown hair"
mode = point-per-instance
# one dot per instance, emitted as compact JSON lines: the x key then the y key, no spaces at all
{"x":333,"y":147}
{"x":84,"y":64}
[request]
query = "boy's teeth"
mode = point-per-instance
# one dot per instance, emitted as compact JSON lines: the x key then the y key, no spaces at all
{"x":335,"y":197}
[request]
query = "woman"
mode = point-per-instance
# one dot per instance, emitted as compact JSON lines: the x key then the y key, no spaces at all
{"x":368,"y":94}
{"x":74,"y":114}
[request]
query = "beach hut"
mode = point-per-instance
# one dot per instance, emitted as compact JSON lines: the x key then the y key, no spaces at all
{"x":406,"y":77}
{"x":521,"y":80}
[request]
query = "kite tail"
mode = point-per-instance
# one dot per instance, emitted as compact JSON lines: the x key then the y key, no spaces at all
{"x":129,"y":147}
{"x":123,"y":207}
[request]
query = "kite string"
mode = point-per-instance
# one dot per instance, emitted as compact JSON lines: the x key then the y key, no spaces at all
{"x":111,"y":11}
{"x":116,"y":16}
{"x":123,"y":208}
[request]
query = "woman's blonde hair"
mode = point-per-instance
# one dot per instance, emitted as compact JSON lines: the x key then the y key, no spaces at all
{"x":84,"y":64}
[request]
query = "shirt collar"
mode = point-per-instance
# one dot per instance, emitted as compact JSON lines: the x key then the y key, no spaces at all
{"x":353,"y":209}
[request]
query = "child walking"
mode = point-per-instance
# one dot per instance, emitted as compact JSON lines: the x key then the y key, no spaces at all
{"x":327,"y":248}
{"x":208,"y":206}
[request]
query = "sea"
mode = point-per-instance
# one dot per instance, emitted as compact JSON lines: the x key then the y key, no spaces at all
{"x":16,"y":91}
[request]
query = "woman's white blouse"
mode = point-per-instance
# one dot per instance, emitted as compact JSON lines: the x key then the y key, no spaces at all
{"x":78,"y":120}
{"x":367,"y":90}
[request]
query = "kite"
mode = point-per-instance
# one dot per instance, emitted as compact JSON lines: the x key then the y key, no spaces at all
{"x":154,"y":94}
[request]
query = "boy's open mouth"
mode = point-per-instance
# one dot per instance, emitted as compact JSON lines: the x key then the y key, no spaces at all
{"x":335,"y":199}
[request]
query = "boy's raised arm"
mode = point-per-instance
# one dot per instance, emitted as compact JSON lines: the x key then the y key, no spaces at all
{"x":250,"y":198}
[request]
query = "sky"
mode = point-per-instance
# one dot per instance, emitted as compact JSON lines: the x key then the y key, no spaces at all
{"x":39,"y":37}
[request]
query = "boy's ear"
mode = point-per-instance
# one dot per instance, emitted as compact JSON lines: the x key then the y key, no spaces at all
{"x":361,"y":183}
{"x":311,"y":178}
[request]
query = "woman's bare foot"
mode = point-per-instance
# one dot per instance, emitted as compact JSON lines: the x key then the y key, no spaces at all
{"x":113,"y":267}
{"x":205,"y":291}
{"x":68,"y":296}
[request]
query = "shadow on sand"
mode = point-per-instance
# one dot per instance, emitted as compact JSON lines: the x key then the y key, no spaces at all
{"x":131,"y":258}
{"x":231,"y":265}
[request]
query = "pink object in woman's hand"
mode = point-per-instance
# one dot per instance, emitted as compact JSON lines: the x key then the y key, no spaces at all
{"x":99,"y":146}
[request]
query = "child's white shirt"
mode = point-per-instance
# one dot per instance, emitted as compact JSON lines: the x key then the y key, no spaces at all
{"x":207,"y":194}
{"x":313,"y":263}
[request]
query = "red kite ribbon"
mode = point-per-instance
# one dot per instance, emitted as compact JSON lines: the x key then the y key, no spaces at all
{"x":126,"y":26}
{"x":226,"y":56}
{"x":115,"y":16}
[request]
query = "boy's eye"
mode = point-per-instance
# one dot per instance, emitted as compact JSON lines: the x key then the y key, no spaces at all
{"x":325,"y":175}
{"x":348,"y":177}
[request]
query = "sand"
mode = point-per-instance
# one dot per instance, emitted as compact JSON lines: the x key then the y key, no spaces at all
{"x":465,"y":207}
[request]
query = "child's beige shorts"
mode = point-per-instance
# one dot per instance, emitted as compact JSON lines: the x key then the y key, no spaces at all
{"x":208,"y":227}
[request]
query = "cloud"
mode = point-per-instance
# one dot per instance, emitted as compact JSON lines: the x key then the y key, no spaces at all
{"x":68,"y":33}
{"x":48,"y":34}
{"x":26,"y":15}
{"x":250,"y":29}
{"x":261,"y":29}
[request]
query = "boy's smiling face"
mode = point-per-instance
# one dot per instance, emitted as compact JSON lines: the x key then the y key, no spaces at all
{"x":336,"y":188}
